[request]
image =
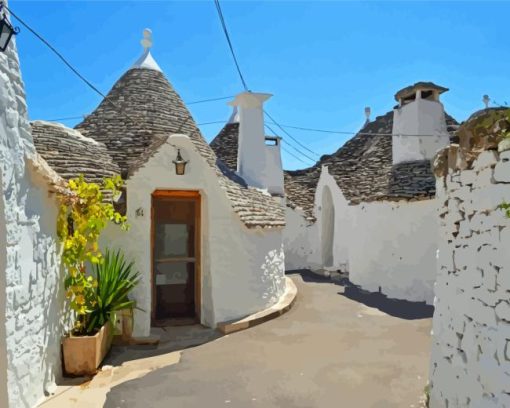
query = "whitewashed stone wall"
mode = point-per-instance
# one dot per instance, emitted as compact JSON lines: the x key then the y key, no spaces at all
{"x":300,"y":241}
{"x":30,"y":294}
{"x":242,"y":269}
{"x":470,"y":363}
{"x":392,"y":247}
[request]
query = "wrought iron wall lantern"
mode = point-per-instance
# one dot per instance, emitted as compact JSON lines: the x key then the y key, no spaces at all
{"x":180,"y":164}
{"x":6,"y":30}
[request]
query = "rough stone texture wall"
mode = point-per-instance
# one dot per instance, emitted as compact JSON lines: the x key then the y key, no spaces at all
{"x":30,"y":271}
{"x":470,"y":362}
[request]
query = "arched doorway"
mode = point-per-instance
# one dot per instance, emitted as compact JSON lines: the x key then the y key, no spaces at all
{"x":327,"y":227}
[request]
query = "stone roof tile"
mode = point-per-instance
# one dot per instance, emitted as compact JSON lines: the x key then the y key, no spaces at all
{"x":70,"y":154}
{"x":139,"y":114}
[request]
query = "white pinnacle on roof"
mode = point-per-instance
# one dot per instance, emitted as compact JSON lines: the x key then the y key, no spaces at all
{"x":146,"y":61}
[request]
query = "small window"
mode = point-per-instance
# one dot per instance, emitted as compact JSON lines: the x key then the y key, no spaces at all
{"x":408,"y":99}
{"x":428,"y":95}
{"x":271,"y":141}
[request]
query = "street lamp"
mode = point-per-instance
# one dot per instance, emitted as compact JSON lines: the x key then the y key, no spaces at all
{"x":180,"y":164}
{"x":6,"y":30}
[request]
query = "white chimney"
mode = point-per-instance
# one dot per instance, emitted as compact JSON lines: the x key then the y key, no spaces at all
{"x":419,"y":123}
{"x":258,"y":157}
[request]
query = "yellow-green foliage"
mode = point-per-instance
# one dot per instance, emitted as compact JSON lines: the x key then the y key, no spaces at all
{"x":82,"y":217}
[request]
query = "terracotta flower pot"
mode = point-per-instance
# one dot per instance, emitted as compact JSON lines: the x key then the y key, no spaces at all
{"x":83,"y":354}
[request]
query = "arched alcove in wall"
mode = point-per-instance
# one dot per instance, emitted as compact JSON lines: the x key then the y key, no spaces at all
{"x":327,"y":227}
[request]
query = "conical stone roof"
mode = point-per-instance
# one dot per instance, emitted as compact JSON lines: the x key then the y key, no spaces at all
{"x":141,"y":106}
{"x":139,"y":114}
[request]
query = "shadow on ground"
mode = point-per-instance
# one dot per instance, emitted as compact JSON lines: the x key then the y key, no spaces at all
{"x":403,"y":309}
{"x":171,"y":339}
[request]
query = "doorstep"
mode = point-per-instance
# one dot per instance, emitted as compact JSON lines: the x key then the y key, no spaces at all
{"x":283,"y":305}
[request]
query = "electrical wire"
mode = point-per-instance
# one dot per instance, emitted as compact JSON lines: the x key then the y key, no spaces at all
{"x":105,"y":97}
{"x":296,"y":149}
{"x":293,"y":155}
{"x":55,"y":51}
{"x":229,"y":41}
{"x":210,"y":100}
{"x":227,"y":36}
{"x":289,"y":135}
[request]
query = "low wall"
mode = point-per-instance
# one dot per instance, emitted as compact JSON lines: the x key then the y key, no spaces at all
{"x":392,"y":247}
{"x":470,"y":362}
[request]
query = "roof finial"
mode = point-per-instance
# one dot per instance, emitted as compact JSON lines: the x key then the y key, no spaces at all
{"x":147,"y":39}
{"x":486,"y":100}
{"x":368,"y":111}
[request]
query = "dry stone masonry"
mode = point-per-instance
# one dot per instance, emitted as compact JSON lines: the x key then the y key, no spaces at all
{"x":470,"y":362}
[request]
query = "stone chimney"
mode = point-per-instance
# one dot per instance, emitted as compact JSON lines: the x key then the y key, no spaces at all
{"x":419,"y":123}
{"x":258,"y":157}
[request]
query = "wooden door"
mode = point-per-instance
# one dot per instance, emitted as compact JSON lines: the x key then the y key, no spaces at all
{"x":175,"y":255}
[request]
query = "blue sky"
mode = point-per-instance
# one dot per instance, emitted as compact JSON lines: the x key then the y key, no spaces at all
{"x":323,"y":61}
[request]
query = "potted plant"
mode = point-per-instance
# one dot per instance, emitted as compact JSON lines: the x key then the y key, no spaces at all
{"x":115,"y":279}
{"x":84,"y":213}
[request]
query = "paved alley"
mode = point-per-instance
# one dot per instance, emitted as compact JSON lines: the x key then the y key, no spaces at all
{"x":337,"y":347}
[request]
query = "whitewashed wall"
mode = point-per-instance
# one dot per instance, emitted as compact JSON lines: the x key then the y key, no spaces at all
{"x":341,"y":221}
{"x":300,"y":242}
{"x":421,"y":117}
{"x":393,"y":246}
{"x":30,"y":288}
{"x":470,"y":363}
{"x":242,"y":269}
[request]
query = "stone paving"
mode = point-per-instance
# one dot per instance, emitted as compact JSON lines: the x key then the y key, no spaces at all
{"x":329,"y":350}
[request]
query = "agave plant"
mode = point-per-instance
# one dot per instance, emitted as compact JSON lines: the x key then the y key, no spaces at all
{"x":115,"y":279}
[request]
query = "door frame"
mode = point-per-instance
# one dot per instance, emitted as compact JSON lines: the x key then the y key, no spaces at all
{"x":195,"y":196}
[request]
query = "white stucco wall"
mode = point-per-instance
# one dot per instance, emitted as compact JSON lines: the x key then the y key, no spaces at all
{"x":421,"y":117}
{"x":470,"y":362}
{"x":300,"y":241}
{"x":341,"y":225}
{"x":30,"y":274}
{"x":393,"y":246}
{"x":242,"y":269}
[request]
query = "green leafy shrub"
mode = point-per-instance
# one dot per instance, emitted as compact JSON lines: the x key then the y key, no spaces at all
{"x":83,"y":215}
{"x":115,"y":279}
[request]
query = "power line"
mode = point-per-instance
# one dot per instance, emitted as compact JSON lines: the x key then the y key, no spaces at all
{"x":289,"y":135}
{"x":211,"y":123}
{"x":65,"y":119}
{"x":210,"y":100}
{"x":227,"y":36}
{"x":344,"y":132}
{"x":187,"y":103}
{"x":296,"y":149}
{"x":293,"y":155}
{"x":224,"y":26}
{"x":57,"y":53}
